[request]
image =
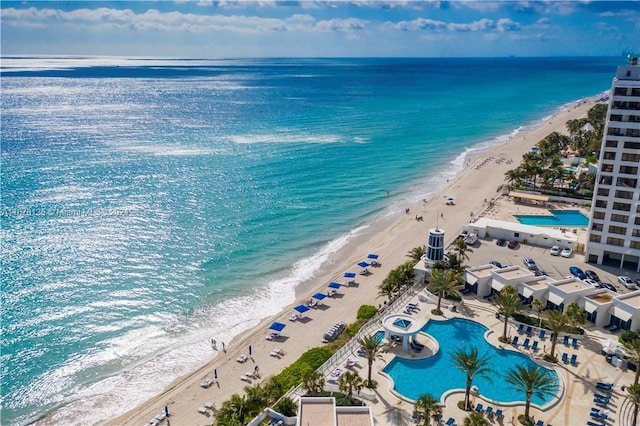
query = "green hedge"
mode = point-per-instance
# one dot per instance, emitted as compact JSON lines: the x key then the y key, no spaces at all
{"x":310,"y":360}
{"x":366,"y":312}
{"x":343,"y":400}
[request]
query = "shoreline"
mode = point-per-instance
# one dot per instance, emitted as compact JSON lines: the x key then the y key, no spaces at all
{"x":184,"y":395}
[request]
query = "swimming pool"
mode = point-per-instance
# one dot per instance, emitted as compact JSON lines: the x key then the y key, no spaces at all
{"x":378,"y":336}
{"x":557,"y":218}
{"x":436,"y":375}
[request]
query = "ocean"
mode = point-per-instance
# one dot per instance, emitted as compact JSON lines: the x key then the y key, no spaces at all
{"x":149,"y":205}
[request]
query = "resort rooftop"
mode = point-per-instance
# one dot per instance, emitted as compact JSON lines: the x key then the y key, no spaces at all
{"x":600,"y":298}
{"x":513,"y":272}
{"x":540,"y":283}
{"x":570,"y":285}
{"x":483,"y":270}
{"x":316,"y":411}
{"x":631,"y":299}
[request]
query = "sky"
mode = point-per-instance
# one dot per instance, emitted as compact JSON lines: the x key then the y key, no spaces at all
{"x":234,"y":29}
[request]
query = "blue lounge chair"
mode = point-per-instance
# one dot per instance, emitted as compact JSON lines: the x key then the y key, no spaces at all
{"x":535,"y":346}
{"x":574,"y":343}
{"x":528,"y":332}
{"x":565,"y":357}
{"x":599,"y":401}
{"x":498,"y":413}
{"x":514,"y":342}
{"x":451,"y":421}
{"x":526,"y":343}
{"x":605,"y":386}
{"x":489,"y":411}
{"x":599,"y":395}
{"x":553,"y":337}
{"x":479,"y":408}
{"x":539,"y":423}
{"x":595,"y":424}
{"x":541,"y":334}
{"x":520,"y":328}
{"x":565,"y":341}
{"x":574,"y":359}
{"x":599,"y":416}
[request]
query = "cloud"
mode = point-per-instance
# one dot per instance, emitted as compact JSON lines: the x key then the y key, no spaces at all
{"x":507,"y":24}
{"x":481,"y":25}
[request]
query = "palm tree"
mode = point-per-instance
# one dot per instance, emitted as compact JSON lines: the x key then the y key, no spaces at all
{"x":371,"y":348}
{"x":576,"y":314}
{"x":350,"y":382}
{"x":312,"y":381}
{"x":234,"y":411}
{"x":475,"y":419}
{"x":387,"y":288}
{"x":428,"y":406}
{"x":633,"y":392}
{"x":460,"y":248}
{"x":399,"y":279}
{"x":416,"y":253}
{"x":558,"y":322}
{"x":508,"y":303}
{"x":256,"y":397}
{"x":442,"y":283}
{"x":532,"y":380}
{"x":633,"y":352}
{"x":286,"y":407}
{"x":472,"y":365}
{"x":538,"y":306}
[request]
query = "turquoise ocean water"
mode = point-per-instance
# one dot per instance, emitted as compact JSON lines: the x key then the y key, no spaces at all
{"x":148,"y":205}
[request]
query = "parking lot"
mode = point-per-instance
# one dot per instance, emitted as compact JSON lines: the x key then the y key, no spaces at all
{"x":486,"y":250}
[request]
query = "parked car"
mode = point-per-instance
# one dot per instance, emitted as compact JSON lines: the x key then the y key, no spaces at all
{"x":555,"y":251}
{"x":500,"y":242}
{"x":496,"y":263}
{"x":577,"y":272}
{"x":513,"y":244}
{"x":566,"y":252}
{"x":626,"y":281}
{"x":530,"y":263}
{"x":471,"y":239}
{"x":540,"y":273}
{"x":609,"y":286}
{"x":592,"y":283}
{"x":592,"y":275}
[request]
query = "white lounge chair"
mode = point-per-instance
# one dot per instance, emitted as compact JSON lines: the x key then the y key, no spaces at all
{"x":207,"y":383}
{"x":202,"y":410}
{"x":245,"y":378}
{"x":293,"y":317}
{"x":242,"y":358}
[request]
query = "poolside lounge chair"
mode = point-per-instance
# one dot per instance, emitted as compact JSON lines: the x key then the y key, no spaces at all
{"x":529,"y":330}
{"x":565,"y":340}
{"x":599,"y":395}
{"x":541,"y":334}
{"x":595,"y":424}
{"x":514,"y":342}
{"x":599,"y":416}
{"x":451,"y":421}
{"x":489,"y":411}
{"x":539,"y":423}
{"x":565,"y":357}
{"x":535,"y":346}
{"x":520,"y":328}
{"x":498,"y":413}
{"x":242,"y":358}
{"x":574,"y":343}
{"x":601,"y":401}
{"x":605,"y":386}
{"x":479,"y":408}
{"x":574,"y":359}
{"x":526,"y":343}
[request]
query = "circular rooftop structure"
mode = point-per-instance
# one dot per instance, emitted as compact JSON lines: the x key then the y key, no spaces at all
{"x":401,"y":325}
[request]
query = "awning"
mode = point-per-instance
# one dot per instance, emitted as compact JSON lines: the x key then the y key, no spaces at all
{"x":349,"y":274}
{"x":621,"y":313}
{"x":363,"y":264}
{"x":534,"y":197}
{"x":527,"y":292}
{"x":497,"y":285}
{"x":319,"y":296}
{"x":554,"y":298}
{"x":335,"y":285}
{"x":372,"y":256}
{"x":301,"y":309}
{"x":590,"y":307}
{"x":471,"y":279}
{"x":277,"y":327}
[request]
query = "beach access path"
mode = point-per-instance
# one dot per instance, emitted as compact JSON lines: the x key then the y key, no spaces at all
{"x":477,"y":182}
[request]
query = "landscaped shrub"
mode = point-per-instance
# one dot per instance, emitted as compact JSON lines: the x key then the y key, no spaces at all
{"x":628,"y":336}
{"x":311,"y":359}
{"x":366,"y":312}
{"x":343,"y":400}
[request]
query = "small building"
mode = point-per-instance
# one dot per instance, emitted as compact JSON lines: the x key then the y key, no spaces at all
{"x":526,"y":234}
{"x":625,"y":311}
{"x":322,"y":411}
{"x":566,"y":291}
{"x":597,"y":306}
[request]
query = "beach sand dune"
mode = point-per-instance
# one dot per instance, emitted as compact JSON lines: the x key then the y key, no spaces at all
{"x":477,"y":182}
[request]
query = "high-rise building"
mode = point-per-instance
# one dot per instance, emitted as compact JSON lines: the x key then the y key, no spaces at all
{"x":614,"y":229}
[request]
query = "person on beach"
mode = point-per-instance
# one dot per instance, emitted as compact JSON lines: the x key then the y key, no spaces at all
{"x":223,"y":348}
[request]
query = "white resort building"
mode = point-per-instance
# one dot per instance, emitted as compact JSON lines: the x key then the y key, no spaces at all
{"x":614,"y":228}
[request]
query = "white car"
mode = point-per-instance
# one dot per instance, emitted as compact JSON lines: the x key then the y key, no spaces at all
{"x":566,"y":252}
{"x":626,"y":281}
{"x":592,"y":283}
{"x":555,"y":251}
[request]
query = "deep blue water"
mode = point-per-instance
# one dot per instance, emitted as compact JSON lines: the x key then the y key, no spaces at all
{"x":438,"y":374}
{"x":139,"y":195}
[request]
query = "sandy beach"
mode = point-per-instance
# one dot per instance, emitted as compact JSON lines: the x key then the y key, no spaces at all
{"x":477,"y":182}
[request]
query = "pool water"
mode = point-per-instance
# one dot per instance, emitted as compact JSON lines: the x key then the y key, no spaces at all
{"x":557,"y":218}
{"x":378,"y":336}
{"x":437,"y":374}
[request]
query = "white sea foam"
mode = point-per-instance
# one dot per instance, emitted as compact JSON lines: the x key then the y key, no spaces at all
{"x":285,"y":138}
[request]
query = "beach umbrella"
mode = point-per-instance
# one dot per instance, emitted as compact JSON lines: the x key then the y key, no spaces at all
{"x":334,"y":285}
{"x":249,"y":350}
{"x":349,"y":274}
{"x":363,"y":264}
{"x":319,"y":296}
{"x":166,"y":411}
{"x":215,"y":374}
{"x":372,"y":256}
{"x":277,"y":327}
{"x":301,"y":309}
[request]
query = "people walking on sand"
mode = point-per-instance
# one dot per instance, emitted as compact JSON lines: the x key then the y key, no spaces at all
{"x":223,"y":348}
{"x":213,"y":343}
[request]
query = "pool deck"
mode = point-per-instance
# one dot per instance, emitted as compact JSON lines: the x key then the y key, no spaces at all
{"x":577,"y":382}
